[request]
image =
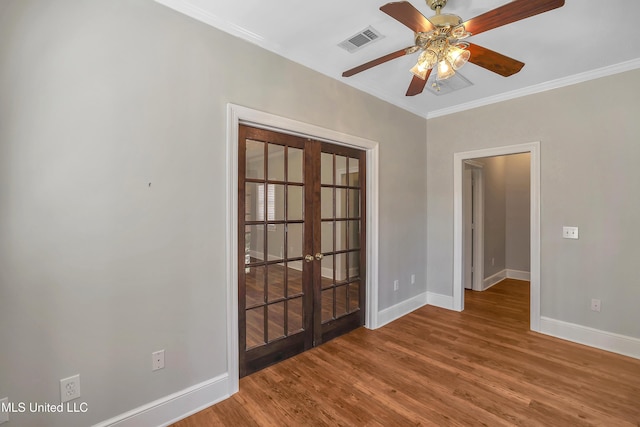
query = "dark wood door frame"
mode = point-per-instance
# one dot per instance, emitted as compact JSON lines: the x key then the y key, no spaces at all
{"x":239,"y":114}
{"x":316,"y":328}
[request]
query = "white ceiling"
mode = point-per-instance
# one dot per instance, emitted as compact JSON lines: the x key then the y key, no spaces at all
{"x":582,"y":40}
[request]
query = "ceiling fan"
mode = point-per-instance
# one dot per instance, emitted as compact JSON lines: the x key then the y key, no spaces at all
{"x":441,"y":39}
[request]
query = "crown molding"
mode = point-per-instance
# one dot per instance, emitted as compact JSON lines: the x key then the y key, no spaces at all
{"x":542,"y":87}
{"x":188,"y":8}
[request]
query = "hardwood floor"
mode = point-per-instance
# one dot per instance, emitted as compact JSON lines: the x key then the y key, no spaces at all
{"x":436,"y":367}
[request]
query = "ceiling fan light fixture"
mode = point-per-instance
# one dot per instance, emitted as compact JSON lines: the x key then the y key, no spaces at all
{"x":428,"y":58}
{"x":426,"y":61}
{"x":457,"y":57}
{"x":419,"y":71}
{"x":445,"y":70}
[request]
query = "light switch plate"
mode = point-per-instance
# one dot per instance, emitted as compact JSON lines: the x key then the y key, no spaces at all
{"x":157,"y":361}
{"x":570,"y":232}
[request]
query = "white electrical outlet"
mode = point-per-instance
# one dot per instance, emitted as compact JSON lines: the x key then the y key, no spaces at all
{"x":396,"y":285}
{"x":4,"y":410}
{"x":570,"y":232}
{"x":69,"y":388}
{"x":157,"y":361}
{"x":413,"y":279}
{"x":595,"y":304}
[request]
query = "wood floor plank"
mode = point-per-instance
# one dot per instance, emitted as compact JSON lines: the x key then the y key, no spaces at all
{"x":436,"y":367}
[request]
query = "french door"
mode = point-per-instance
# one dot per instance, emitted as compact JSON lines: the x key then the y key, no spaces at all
{"x":301,"y":244}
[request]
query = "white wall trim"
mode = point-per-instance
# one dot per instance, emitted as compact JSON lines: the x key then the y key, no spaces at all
{"x":439,"y":300}
{"x":494,"y":279}
{"x":188,"y":8}
{"x":400,"y":309}
{"x":174,"y":407}
{"x":518,"y":274}
{"x":505,"y":274}
{"x":616,"y":343}
{"x":542,"y":87}
{"x":458,"y":158}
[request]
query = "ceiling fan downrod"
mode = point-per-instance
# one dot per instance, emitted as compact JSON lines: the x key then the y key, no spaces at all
{"x":436,"y":5}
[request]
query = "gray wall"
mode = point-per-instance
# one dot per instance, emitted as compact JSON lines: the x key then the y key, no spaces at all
{"x":588,"y":135}
{"x":97,"y":268}
{"x":506,"y":213}
{"x":494,"y":214}
{"x":517,"y":211}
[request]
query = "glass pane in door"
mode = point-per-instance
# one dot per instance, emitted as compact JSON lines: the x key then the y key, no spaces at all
{"x":294,"y":315}
{"x":276,"y":162}
{"x":295,"y":158}
{"x":276,"y":321}
{"x":254,"y":164}
{"x":326,"y":169}
{"x":276,"y":281}
{"x":255,"y":327}
{"x":254,"y":278}
{"x":295,"y":202}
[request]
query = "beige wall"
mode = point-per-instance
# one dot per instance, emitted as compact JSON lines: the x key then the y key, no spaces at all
{"x":98,"y":268}
{"x":588,"y":136}
{"x":506,"y":213}
{"x":517,"y":212}
{"x":494,"y":179}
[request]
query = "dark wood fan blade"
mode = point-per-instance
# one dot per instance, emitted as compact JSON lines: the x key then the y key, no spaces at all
{"x":510,"y":12}
{"x":378,"y":61}
{"x":404,"y":12}
{"x":493,"y":61}
{"x":417,"y":85}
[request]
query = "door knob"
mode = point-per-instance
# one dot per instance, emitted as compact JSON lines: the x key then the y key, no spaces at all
{"x":308,"y":258}
{"x":318,"y":256}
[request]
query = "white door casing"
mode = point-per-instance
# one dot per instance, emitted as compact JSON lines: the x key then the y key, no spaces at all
{"x":458,"y":167}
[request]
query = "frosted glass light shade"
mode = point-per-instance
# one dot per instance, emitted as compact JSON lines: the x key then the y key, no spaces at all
{"x":426,"y":61}
{"x":419,"y":71}
{"x":457,"y":57}
{"x":445,"y":70}
{"x":428,"y":58}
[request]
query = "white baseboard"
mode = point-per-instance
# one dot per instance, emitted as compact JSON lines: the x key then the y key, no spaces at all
{"x":405,"y":307}
{"x":505,"y":274}
{"x":174,"y":407}
{"x":494,"y":279}
{"x":439,"y":300}
{"x":518,"y":275}
{"x":616,"y":343}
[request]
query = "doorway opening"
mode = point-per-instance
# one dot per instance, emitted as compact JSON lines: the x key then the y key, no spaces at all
{"x":534,"y":221}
